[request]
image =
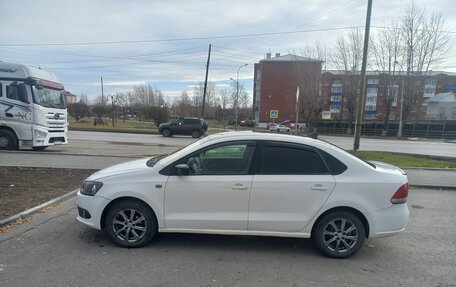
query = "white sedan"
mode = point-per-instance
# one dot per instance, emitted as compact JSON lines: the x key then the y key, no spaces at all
{"x":246,"y":183}
{"x":279,"y":128}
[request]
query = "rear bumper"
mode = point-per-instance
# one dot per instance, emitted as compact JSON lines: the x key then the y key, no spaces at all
{"x":389,"y":221}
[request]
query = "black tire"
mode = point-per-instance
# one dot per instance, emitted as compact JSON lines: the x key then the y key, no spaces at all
{"x":339,"y":234}
{"x":39,"y":148}
{"x":166,"y":133}
{"x":8,"y":140}
{"x":196,"y":134}
{"x":131,"y":224}
{"x":278,"y":130}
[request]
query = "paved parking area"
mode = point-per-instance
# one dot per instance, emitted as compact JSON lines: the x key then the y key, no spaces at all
{"x":54,"y":250}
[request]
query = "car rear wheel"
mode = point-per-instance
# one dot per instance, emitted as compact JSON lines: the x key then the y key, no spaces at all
{"x":8,"y":140}
{"x":196,"y":134}
{"x":166,"y":133}
{"x":339,"y":234}
{"x":131,"y":223}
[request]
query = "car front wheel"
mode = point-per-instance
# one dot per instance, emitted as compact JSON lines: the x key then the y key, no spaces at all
{"x":339,"y":234}
{"x":131,"y":224}
{"x":8,"y":140}
{"x":196,"y":134}
{"x":166,"y":133}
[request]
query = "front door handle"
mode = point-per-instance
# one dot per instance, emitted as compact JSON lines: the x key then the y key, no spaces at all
{"x":319,"y":187}
{"x":239,"y":186}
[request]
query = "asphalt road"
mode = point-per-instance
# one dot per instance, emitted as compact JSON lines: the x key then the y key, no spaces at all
{"x":423,"y":146}
{"x":55,"y":250}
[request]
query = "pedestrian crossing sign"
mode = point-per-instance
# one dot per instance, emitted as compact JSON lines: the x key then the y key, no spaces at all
{"x":274,"y":114}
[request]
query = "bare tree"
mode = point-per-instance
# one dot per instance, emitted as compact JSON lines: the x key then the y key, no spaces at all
{"x":78,"y":110}
{"x":198,"y":92}
{"x":348,"y":57}
{"x":387,"y":50}
{"x":224,"y":98}
{"x":426,"y":40}
{"x":319,"y":51}
{"x":184,"y":105}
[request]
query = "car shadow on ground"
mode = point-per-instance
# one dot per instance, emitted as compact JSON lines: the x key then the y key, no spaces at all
{"x":209,"y":242}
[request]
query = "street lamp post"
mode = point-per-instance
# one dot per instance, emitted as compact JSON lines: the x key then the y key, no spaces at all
{"x":399,"y":130}
{"x":236,"y":100}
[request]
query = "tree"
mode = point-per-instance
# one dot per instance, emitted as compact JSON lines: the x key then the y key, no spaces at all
{"x":224,"y":98}
{"x":348,"y":57}
{"x":426,"y":42}
{"x":100,"y":110}
{"x":198,"y":93}
{"x":78,"y":110}
{"x":387,"y":51}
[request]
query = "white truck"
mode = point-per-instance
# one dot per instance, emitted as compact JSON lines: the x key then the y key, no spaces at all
{"x":32,"y":108}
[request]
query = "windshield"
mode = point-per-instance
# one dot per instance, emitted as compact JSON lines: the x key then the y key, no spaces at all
{"x":47,"y":97}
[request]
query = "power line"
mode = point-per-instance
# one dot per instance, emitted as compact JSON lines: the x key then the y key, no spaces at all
{"x":180,"y":39}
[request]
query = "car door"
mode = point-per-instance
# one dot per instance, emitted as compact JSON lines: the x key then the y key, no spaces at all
{"x":15,"y":106}
{"x":215,"y":194}
{"x":291,"y":185}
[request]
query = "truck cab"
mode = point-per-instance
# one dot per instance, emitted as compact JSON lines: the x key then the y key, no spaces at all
{"x":32,"y":108}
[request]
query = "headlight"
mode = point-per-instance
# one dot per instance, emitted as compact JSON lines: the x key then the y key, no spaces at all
{"x":40,"y":134}
{"x":90,"y":187}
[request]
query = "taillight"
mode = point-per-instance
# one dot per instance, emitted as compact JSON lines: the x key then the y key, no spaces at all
{"x":400,"y":196}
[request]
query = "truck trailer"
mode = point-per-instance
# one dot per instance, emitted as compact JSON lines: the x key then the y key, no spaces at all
{"x":33,"y":113}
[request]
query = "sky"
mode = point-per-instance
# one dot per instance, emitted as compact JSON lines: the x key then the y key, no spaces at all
{"x":164,"y":43}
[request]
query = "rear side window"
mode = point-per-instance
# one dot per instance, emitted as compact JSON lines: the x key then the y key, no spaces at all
{"x":335,"y":166}
{"x":289,"y":160}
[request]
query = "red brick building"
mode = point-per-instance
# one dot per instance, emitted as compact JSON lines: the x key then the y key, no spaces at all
{"x":275,"y":84}
{"x":334,"y":93}
{"x":339,"y":90}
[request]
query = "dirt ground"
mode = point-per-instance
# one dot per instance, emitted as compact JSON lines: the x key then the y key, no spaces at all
{"x":22,"y":188}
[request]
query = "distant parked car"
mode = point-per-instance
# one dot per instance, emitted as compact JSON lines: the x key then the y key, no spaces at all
{"x":195,"y":127}
{"x":247,"y":123}
{"x":247,"y":183}
{"x":279,"y":128}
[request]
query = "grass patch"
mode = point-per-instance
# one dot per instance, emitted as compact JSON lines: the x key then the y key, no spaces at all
{"x":405,"y":160}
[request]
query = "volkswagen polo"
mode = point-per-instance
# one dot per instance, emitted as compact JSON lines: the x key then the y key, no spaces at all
{"x":246,"y":183}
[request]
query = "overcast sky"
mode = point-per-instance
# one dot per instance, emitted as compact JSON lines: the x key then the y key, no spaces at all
{"x":165,"y":42}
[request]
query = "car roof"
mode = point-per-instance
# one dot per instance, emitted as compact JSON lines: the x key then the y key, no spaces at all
{"x":249,"y":135}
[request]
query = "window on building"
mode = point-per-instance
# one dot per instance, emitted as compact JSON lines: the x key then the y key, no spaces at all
{"x":431,"y":82}
{"x":429,"y":91}
{"x":423,"y":109}
{"x":337,"y":89}
{"x":337,"y":82}
{"x":372,"y":81}
{"x":372,"y":91}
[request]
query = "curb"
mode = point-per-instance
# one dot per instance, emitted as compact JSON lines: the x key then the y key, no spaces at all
{"x":36,"y":209}
{"x":433,"y":187}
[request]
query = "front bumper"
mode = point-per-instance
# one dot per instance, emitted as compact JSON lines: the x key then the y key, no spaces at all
{"x":93,"y":206}
{"x":44,"y":137}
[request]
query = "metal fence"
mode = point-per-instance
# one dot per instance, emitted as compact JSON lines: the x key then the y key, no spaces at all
{"x":445,"y":130}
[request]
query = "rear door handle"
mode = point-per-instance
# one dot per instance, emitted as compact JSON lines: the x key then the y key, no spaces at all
{"x":319,"y":187}
{"x":239,"y":186}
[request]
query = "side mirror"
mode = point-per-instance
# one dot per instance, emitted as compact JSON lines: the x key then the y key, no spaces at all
{"x":182,"y":169}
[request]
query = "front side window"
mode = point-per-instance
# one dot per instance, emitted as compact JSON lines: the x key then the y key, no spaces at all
{"x":290,"y":160}
{"x":48,"y":97}
{"x":17,"y":92}
{"x":227,"y":159}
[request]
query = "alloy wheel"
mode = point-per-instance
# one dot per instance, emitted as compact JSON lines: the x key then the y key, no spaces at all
{"x":129,"y":225}
{"x":340,"y":235}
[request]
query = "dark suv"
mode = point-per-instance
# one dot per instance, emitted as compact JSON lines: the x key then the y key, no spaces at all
{"x":195,"y":127}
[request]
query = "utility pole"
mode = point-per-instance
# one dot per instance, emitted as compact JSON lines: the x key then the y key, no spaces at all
{"x":362,"y":93}
{"x":102,"y":98}
{"x":205,"y":81}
